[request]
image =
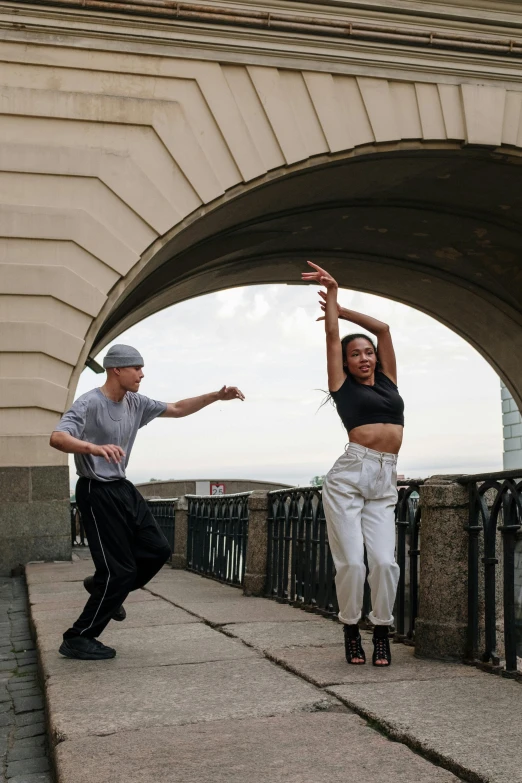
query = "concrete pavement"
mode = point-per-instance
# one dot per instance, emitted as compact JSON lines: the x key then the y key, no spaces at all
{"x":209,"y":684}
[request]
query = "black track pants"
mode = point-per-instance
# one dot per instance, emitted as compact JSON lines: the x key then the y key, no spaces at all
{"x":126,"y":544}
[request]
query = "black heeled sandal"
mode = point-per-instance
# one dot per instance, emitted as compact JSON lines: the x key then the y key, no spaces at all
{"x":381,"y":650}
{"x":353,"y":647}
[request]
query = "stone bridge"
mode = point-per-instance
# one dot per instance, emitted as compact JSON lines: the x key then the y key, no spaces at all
{"x":155,"y":151}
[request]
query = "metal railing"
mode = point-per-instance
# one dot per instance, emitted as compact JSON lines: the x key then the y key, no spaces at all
{"x":217,"y":536}
{"x":495,"y":523}
{"x":407,"y":523}
{"x":300,"y":568}
{"x":164,"y":512}
{"x":78,"y":537}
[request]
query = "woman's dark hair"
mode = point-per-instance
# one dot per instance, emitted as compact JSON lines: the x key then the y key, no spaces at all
{"x":348,"y":339}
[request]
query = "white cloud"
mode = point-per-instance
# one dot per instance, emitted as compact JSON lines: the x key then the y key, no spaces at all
{"x":260,"y":309}
{"x":231,"y":300}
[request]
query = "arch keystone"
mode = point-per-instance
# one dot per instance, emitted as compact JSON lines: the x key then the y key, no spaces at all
{"x":483,"y":113}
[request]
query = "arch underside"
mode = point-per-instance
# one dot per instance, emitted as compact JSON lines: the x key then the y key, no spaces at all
{"x":130,"y":181}
{"x":435,"y":229}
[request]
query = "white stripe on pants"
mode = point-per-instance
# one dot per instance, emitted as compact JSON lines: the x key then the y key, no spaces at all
{"x":359,"y":497}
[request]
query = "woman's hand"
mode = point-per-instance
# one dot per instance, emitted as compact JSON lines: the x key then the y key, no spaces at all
{"x":320,"y":276}
{"x":323,"y":307}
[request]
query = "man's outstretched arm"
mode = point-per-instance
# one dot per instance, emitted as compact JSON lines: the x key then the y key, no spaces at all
{"x":175,"y":410}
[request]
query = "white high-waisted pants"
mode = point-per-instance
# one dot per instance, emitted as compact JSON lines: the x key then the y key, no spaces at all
{"x":359,"y":497}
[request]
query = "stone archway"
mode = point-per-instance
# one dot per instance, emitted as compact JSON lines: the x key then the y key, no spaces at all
{"x":129,"y":175}
{"x":425,"y":226}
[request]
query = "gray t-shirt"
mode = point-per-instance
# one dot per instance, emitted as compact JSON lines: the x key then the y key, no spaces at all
{"x":96,"y":419}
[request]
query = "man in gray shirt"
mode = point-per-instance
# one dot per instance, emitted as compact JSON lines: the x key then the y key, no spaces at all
{"x":126,"y":544}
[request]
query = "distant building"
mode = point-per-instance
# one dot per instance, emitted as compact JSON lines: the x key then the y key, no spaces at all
{"x":512,"y":421}
{"x":172,"y":488}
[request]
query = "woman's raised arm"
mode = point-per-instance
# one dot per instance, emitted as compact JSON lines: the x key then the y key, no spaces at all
{"x":334,"y":354}
{"x":381,"y":330}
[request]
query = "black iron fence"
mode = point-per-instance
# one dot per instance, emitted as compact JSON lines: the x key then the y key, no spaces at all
{"x":407,"y":523}
{"x":78,"y":537}
{"x":300,"y":569}
{"x":217,"y":536}
{"x":163,"y":510}
{"x":495,"y":525}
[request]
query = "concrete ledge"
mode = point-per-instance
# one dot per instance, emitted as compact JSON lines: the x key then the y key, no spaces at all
{"x":239,"y":716}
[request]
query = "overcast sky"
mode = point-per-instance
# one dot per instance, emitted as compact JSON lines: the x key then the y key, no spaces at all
{"x":265,"y":339}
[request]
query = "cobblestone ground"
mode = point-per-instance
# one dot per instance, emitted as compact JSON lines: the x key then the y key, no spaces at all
{"x":23,"y":744}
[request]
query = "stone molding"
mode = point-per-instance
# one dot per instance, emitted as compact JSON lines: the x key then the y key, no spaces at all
{"x":117,"y":32}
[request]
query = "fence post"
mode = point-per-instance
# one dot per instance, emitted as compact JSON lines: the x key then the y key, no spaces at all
{"x":179,"y":555}
{"x":441,"y":627}
{"x":255,"y":566}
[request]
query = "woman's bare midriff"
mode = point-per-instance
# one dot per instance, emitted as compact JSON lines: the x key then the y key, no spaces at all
{"x":379,"y":437}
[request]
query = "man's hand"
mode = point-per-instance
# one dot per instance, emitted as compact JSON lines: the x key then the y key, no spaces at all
{"x":110,"y":452}
{"x":230,"y":393}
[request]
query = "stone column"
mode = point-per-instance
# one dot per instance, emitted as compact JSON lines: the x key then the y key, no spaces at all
{"x":34,"y":515}
{"x":441,"y":627}
{"x":179,"y":555}
{"x":256,"y":556}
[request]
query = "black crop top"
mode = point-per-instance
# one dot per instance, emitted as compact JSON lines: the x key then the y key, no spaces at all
{"x":358,"y":403}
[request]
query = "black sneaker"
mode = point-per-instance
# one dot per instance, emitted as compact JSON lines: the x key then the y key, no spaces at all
{"x":86,"y":649}
{"x":118,"y":614}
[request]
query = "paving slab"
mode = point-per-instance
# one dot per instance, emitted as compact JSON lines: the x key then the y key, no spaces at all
{"x":50,"y":603}
{"x":34,"y":730}
{"x":27,"y":766}
{"x":42,"y":573}
{"x":145,"y":647}
{"x":327,"y":665}
{"x":129,"y":699}
{"x":307,"y":633}
{"x":21,"y":752}
{"x":317,"y":748}
{"x":473,"y":724}
{"x":195,"y":589}
{"x":140,"y":614}
{"x":57,"y":588}
{"x":29,"y":718}
{"x":246,"y":610}
{"x":180,"y":575}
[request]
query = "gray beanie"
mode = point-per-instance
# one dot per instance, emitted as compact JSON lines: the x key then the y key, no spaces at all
{"x":122,"y":356}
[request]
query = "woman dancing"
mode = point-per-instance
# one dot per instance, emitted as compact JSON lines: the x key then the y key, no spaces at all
{"x":360,"y":492}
